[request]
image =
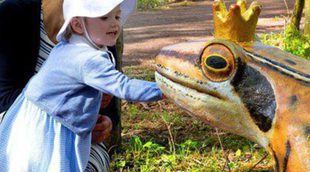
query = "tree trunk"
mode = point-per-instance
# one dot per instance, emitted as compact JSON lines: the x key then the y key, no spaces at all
{"x":119,"y":65}
{"x":120,"y":48}
{"x":297,"y":13}
{"x":307,"y":18}
{"x":115,"y":140}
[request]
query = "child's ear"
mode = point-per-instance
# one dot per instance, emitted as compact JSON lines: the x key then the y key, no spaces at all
{"x":76,"y":25}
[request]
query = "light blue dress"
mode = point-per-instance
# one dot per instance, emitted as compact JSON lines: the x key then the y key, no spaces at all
{"x":32,"y":141}
{"x":48,"y":128}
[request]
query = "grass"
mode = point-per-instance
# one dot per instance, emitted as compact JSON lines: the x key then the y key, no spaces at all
{"x":155,"y":4}
{"x":159,"y":136}
{"x":150,"y":4}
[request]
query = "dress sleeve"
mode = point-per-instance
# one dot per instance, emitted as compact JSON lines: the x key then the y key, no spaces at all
{"x":100,"y":73}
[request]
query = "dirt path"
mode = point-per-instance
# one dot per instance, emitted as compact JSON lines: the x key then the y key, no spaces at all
{"x":146,"y":32}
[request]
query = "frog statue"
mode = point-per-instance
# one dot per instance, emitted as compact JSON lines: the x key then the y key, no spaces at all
{"x":236,"y":83}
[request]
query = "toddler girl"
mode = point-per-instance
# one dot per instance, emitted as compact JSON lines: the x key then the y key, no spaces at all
{"x":48,"y":128}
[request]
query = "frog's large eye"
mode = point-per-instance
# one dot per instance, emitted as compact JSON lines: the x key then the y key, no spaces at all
{"x":218,"y":62}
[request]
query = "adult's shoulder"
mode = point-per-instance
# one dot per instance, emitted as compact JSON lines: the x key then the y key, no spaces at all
{"x":20,"y":20}
{"x":9,"y":7}
{"x":19,"y":6}
{"x":19,"y":12}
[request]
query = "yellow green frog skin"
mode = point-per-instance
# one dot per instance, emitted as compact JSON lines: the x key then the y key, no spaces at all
{"x":253,"y":90}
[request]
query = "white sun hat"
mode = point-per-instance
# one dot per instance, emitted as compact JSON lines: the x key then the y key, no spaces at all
{"x":93,"y":8}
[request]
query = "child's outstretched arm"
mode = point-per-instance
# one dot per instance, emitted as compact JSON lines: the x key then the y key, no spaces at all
{"x":101,"y":74}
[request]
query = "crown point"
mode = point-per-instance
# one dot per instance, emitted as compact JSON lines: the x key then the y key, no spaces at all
{"x":242,"y":4}
{"x":235,"y":9}
{"x":235,"y":6}
{"x":219,"y":6}
{"x":257,"y":8}
{"x":239,"y":24}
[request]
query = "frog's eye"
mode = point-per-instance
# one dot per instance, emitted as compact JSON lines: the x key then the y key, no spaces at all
{"x":218,"y":62}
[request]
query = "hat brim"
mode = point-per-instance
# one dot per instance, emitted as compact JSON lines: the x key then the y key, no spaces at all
{"x":127,"y":7}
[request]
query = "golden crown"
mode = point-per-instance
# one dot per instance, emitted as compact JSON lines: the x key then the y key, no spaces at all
{"x":238,"y":24}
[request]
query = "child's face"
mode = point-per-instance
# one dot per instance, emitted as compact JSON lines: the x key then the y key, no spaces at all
{"x":104,"y":30}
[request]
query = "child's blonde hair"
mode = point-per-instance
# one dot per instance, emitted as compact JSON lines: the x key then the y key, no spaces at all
{"x":68,"y":33}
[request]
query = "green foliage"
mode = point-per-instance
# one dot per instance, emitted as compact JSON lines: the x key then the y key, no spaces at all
{"x":290,"y":40}
{"x":150,"y":156}
{"x":148,"y":4}
{"x":147,"y":146}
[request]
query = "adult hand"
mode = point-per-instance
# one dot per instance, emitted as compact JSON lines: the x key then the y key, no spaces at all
{"x":102,"y":129}
{"x":164,"y":97}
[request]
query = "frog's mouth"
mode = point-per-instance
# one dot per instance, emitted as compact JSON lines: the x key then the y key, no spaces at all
{"x":180,"y":83}
{"x":173,"y":88}
{"x":212,"y":103}
{"x":188,"y":98}
{"x":189,"y":93}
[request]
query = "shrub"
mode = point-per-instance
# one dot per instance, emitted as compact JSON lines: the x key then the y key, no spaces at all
{"x":290,"y":40}
{"x":148,"y":4}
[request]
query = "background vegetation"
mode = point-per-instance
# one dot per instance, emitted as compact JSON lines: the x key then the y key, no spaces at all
{"x":147,"y":4}
{"x":151,"y":4}
{"x":290,"y":40}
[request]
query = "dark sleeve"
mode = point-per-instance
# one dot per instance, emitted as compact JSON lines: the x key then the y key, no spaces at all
{"x":18,"y":48}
